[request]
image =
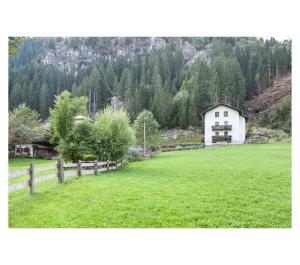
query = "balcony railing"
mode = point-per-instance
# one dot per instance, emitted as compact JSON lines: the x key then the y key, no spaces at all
{"x":223,"y":138}
{"x":221,"y":127}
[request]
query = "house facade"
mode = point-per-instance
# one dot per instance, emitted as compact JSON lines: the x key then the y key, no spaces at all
{"x":224,"y":124}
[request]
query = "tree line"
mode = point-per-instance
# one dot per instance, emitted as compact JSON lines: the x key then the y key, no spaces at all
{"x":162,"y":81}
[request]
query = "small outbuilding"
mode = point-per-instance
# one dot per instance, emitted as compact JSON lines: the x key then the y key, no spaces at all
{"x":224,"y":124}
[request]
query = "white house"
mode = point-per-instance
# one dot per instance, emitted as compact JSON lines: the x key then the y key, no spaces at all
{"x":224,"y":124}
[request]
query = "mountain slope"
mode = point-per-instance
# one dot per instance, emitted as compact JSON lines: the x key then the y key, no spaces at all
{"x":174,"y":77}
{"x":79,"y":53}
{"x":272,"y":97}
{"x":273,"y":104}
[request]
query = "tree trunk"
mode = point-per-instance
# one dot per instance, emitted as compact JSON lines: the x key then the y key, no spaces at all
{"x":89,"y":102}
{"x":269,"y":74}
{"x":94,"y":107}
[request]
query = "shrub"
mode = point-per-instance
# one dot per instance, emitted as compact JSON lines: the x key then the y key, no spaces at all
{"x":78,"y":142}
{"x":38,"y":156}
{"x":62,"y":116}
{"x":136,"y":158}
{"x":89,"y":157}
{"x":265,"y":120}
{"x":112,"y":135}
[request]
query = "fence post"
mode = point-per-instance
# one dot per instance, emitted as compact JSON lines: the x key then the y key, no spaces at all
{"x":96,"y":167}
{"x":107,"y":165}
{"x":60,"y":171}
{"x":31,"y":177}
{"x":79,"y":168}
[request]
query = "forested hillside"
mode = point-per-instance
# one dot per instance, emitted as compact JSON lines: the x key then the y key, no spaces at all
{"x":272,"y":108}
{"x":175,"y":78}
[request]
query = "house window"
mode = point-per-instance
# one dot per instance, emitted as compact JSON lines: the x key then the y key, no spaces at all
{"x":225,"y":133}
{"x":217,"y":114}
{"x":225,"y":122}
{"x":217,"y":133}
{"x":217,"y":123}
{"x":225,"y":113}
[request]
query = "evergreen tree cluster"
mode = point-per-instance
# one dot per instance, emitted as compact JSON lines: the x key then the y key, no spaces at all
{"x":162,"y":81}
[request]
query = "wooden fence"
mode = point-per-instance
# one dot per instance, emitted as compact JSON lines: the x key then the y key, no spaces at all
{"x":63,"y":170}
{"x":180,"y":147}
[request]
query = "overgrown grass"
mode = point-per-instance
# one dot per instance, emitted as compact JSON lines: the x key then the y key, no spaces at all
{"x":234,"y":186}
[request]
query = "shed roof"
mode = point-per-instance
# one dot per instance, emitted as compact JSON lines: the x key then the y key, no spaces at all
{"x":81,"y":118}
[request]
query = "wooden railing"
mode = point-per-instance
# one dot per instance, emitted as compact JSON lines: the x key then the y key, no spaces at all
{"x":72,"y":169}
{"x":221,"y":127}
{"x":216,"y":138}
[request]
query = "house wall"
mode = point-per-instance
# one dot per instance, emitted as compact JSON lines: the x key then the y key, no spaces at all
{"x":233,"y":119}
{"x":242,"y":128}
{"x":23,"y":150}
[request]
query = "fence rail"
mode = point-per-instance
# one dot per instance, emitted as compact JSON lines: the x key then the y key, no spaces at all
{"x":24,"y":172}
{"x":180,"y":147}
{"x":79,"y":169}
{"x":18,"y":173}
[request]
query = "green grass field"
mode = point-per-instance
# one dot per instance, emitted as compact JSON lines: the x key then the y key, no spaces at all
{"x":234,"y":186}
{"x":24,"y":163}
{"x":21,"y":163}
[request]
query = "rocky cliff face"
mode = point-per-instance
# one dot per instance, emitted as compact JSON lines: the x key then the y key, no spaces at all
{"x":75,"y":53}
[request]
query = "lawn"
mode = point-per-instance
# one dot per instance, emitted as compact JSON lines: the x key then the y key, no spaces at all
{"x":234,"y":186}
{"x":21,"y":163}
{"x":24,"y":163}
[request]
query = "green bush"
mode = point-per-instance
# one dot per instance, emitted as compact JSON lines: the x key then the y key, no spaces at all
{"x":112,"y":135}
{"x":136,"y":158}
{"x":38,"y":156}
{"x":88,"y":157}
{"x":62,"y":115}
{"x":79,"y":141}
{"x":280,"y":119}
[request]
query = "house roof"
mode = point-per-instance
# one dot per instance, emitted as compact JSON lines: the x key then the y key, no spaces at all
{"x":221,"y":104}
{"x":81,"y":118}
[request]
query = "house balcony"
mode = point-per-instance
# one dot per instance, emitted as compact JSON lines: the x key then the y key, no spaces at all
{"x":221,"y":138}
{"x":221,"y":127}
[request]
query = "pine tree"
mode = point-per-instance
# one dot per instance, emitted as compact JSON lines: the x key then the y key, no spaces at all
{"x":130,"y":101}
{"x":200,"y":99}
{"x":181,"y":102}
{"x":162,"y":102}
{"x":44,"y":102}
{"x":125,"y":82}
{"x":16,"y":96}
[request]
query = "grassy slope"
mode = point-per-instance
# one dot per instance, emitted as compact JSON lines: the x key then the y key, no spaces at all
{"x":236,"y":186}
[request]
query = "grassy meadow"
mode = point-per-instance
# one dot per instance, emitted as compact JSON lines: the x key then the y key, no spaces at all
{"x":21,"y":163}
{"x":233,"y":186}
{"x":24,"y":163}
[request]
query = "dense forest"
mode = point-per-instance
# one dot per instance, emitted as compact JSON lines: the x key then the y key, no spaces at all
{"x":161,"y":80}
